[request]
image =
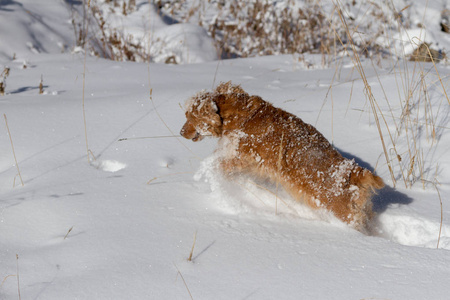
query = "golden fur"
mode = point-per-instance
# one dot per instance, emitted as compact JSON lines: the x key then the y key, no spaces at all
{"x":262,"y":140}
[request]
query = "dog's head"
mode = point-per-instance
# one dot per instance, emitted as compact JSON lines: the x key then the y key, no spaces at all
{"x":202,"y":117}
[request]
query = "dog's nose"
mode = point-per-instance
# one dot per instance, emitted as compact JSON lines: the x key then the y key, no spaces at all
{"x":182,"y":131}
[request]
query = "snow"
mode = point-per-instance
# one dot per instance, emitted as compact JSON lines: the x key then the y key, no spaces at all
{"x":109,"y":165}
{"x":42,"y":27}
{"x":189,"y":44}
{"x":123,"y":225}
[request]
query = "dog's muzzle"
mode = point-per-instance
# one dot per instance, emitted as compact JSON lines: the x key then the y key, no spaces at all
{"x":197,"y":137}
{"x":190,"y":133}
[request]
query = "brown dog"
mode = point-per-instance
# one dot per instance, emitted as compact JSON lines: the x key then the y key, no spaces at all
{"x":262,"y":140}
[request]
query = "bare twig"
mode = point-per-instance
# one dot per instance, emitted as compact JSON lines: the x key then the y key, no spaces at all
{"x":157,"y":112}
{"x":148,"y":137}
{"x":215,"y":74}
{"x":442,"y":216}
{"x":12,"y":146}
{"x":84,"y":111}
{"x":158,"y":177}
{"x":4,"y":75}
{"x":41,"y":86}
{"x":84,"y":84}
{"x":193,"y":245}
{"x":6,"y":277}
{"x":18,"y":279}
{"x":184,"y":281}
{"x":437,"y":72}
{"x":67,"y":234}
{"x":368,"y":89}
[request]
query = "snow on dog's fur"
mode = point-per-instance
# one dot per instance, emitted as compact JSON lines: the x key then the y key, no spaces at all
{"x":268,"y":142}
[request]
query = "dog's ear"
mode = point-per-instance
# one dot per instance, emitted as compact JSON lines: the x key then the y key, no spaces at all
{"x":254,"y":102}
{"x":211,"y":110}
{"x":229,"y":88}
{"x":216,"y":119}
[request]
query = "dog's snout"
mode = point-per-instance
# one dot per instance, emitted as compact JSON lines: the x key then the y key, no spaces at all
{"x":188,"y":131}
{"x":184,"y":130}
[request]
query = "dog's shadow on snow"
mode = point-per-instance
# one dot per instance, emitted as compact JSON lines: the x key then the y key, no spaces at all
{"x":386,"y":196}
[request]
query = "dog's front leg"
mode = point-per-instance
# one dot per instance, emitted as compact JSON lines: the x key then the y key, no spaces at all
{"x":231,"y":166}
{"x":237,"y":165}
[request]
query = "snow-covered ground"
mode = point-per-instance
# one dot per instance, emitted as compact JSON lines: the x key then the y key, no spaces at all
{"x":123,"y":225}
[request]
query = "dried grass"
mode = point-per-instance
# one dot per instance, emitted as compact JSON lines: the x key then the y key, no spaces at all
{"x":3,"y":76}
{"x":14,"y":152}
{"x":368,"y":90}
{"x":416,"y":114}
{"x":18,"y":278}
{"x":252,"y":28}
{"x":148,"y":137}
{"x":67,"y":234}
{"x":403,"y":150}
{"x":14,"y":275}
{"x":193,"y":246}
{"x":184,"y":281}
{"x":104,"y":40}
{"x":86,"y":29}
{"x":442,"y":214}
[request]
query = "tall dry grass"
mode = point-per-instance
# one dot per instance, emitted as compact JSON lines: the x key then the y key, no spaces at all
{"x":14,"y":153}
{"x":407,"y":121}
{"x":102,"y":39}
{"x":406,"y":149}
{"x":268,"y":27}
{"x":3,"y":76}
{"x":243,"y":28}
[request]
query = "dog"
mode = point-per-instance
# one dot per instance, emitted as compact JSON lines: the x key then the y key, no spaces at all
{"x":261,"y":140}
